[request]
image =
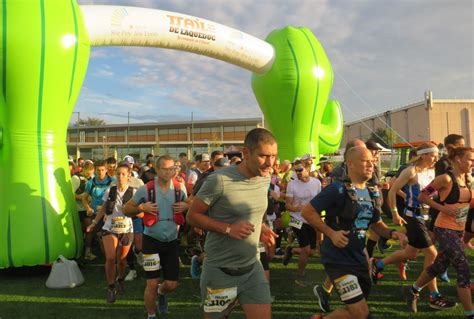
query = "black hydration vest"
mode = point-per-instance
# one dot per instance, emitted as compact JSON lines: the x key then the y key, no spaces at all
{"x":345,"y":219}
{"x":111,"y":200}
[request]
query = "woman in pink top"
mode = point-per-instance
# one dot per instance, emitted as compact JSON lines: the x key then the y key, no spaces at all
{"x":454,"y":189}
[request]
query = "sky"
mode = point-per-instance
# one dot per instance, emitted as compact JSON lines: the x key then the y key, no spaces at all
{"x":384,"y":53}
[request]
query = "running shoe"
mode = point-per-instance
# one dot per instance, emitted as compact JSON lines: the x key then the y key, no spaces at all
{"x":90,"y":256}
{"x":132,"y":274}
{"x":402,"y":270}
{"x":162,"y":302}
{"x":111,"y":294}
{"x":195,"y":268}
{"x":444,"y":277}
{"x":279,"y":254}
{"x":288,"y":255}
{"x":374,"y":271}
{"x":411,"y":298}
{"x":441,"y":303}
{"x":323,"y":298}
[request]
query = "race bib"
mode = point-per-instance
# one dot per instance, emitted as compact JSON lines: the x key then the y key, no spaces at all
{"x":120,"y":225}
{"x":296,"y":223}
{"x":151,"y":262}
{"x":217,"y":300}
{"x":348,"y":287}
{"x":461,"y":216}
{"x":261,"y":247}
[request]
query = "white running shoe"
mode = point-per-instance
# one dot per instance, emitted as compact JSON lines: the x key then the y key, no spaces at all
{"x":132,"y":274}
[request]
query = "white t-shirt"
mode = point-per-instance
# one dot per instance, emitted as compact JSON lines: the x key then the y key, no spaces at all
{"x":76,"y":182}
{"x":302,"y":193}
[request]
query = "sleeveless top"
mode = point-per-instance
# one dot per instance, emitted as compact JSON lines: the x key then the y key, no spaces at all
{"x":414,"y":207}
{"x":460,"y":198}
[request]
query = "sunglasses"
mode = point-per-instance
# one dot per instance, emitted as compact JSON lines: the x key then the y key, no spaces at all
{"x":299,"y":170}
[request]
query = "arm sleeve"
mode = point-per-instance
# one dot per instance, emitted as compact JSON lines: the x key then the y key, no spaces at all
{"x":211,"y":189}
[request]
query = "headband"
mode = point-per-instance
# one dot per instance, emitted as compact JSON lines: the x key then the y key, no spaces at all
{"x":428,"y":150}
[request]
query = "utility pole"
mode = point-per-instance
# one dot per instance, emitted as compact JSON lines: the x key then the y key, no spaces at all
{"x":192,"y":135}
{"x":128,"y":132}
{"x":78,"y":153}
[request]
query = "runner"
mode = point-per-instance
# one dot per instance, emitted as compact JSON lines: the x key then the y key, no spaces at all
{"x":454,"y":189}
{"x":350,"y":209}
{"x":117,"y":232}
{"x":416,"y":177}
{"x":163,"y":203}
{"x":299,"y":193}
{"x":231,"y":205}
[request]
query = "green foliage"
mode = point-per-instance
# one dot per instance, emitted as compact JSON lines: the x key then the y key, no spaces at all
{"x":384,"y":136}
{"x":90,"y":121}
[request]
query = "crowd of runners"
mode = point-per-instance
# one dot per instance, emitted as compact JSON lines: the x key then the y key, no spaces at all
{"x":237,"y":214}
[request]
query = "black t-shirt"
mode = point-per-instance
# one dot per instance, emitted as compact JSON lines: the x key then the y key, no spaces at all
{"x":332,"y":199}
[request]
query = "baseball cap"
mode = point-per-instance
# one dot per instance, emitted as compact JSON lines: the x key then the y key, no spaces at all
{"x":222,"y":162}
{"x":129,"y":159}
{"x":295,"y":159}
{"x":324,"y":160}
{"x":306,"y":157}
{"x":373,"y":146}
{"x":205,"y":157}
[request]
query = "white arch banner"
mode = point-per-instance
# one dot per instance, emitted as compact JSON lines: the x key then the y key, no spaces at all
{"x":131,"y":26}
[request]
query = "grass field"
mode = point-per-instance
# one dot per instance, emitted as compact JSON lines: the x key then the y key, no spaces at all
{"x":24,"y":295}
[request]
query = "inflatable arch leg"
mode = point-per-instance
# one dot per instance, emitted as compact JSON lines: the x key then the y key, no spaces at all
{"x":45,"y":52}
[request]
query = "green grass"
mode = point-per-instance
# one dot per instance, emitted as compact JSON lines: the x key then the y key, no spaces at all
{"x":24,"y":295}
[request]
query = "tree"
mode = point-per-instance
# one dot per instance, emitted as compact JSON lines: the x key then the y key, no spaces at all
{"x":384,"y":136}
{"x":90,"y":121}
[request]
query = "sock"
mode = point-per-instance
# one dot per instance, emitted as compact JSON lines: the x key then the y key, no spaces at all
{"x":370,"y":247}
{"x":380,"y":264}
{"x":88,"y":250}
{"x":326,"y":290}
{"x":416,"y":289}
{"x":434,"y":294}
{"x":152,"y":315}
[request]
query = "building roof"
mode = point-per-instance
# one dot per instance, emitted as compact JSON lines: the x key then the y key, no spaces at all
{"x":174,"y":123}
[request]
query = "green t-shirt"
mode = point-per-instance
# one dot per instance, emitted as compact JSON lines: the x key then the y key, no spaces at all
{"x":234,"y":198}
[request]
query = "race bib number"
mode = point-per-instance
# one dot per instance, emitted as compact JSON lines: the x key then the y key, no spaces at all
{"x":217,"y":300}
{"x":461,"y":216}
{"x":296,"y":223}
{"x":348,"y":287}
{"x":120,"y":225}
{"x":261,"y":247}
{"x":151,"y":262}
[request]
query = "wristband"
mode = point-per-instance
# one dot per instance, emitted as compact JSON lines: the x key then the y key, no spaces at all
{"x":393,"y":210}
{"x":227,"y":230}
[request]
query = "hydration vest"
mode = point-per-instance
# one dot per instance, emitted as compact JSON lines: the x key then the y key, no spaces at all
{"x":111,"y":200}
{"x":345,"y":219}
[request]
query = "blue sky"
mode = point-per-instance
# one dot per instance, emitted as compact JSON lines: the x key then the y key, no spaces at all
{"x":384,"y":53}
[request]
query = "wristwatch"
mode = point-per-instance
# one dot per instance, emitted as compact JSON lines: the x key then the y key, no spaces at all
{"x":227,"y":230}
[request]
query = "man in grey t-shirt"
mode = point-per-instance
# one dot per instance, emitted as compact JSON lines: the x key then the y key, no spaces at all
{"x":236,"y":201}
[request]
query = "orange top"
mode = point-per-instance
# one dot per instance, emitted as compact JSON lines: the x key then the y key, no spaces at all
{"x":457,"y":222}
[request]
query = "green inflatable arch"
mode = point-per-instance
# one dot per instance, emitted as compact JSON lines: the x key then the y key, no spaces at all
{"x":45,"y":48}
